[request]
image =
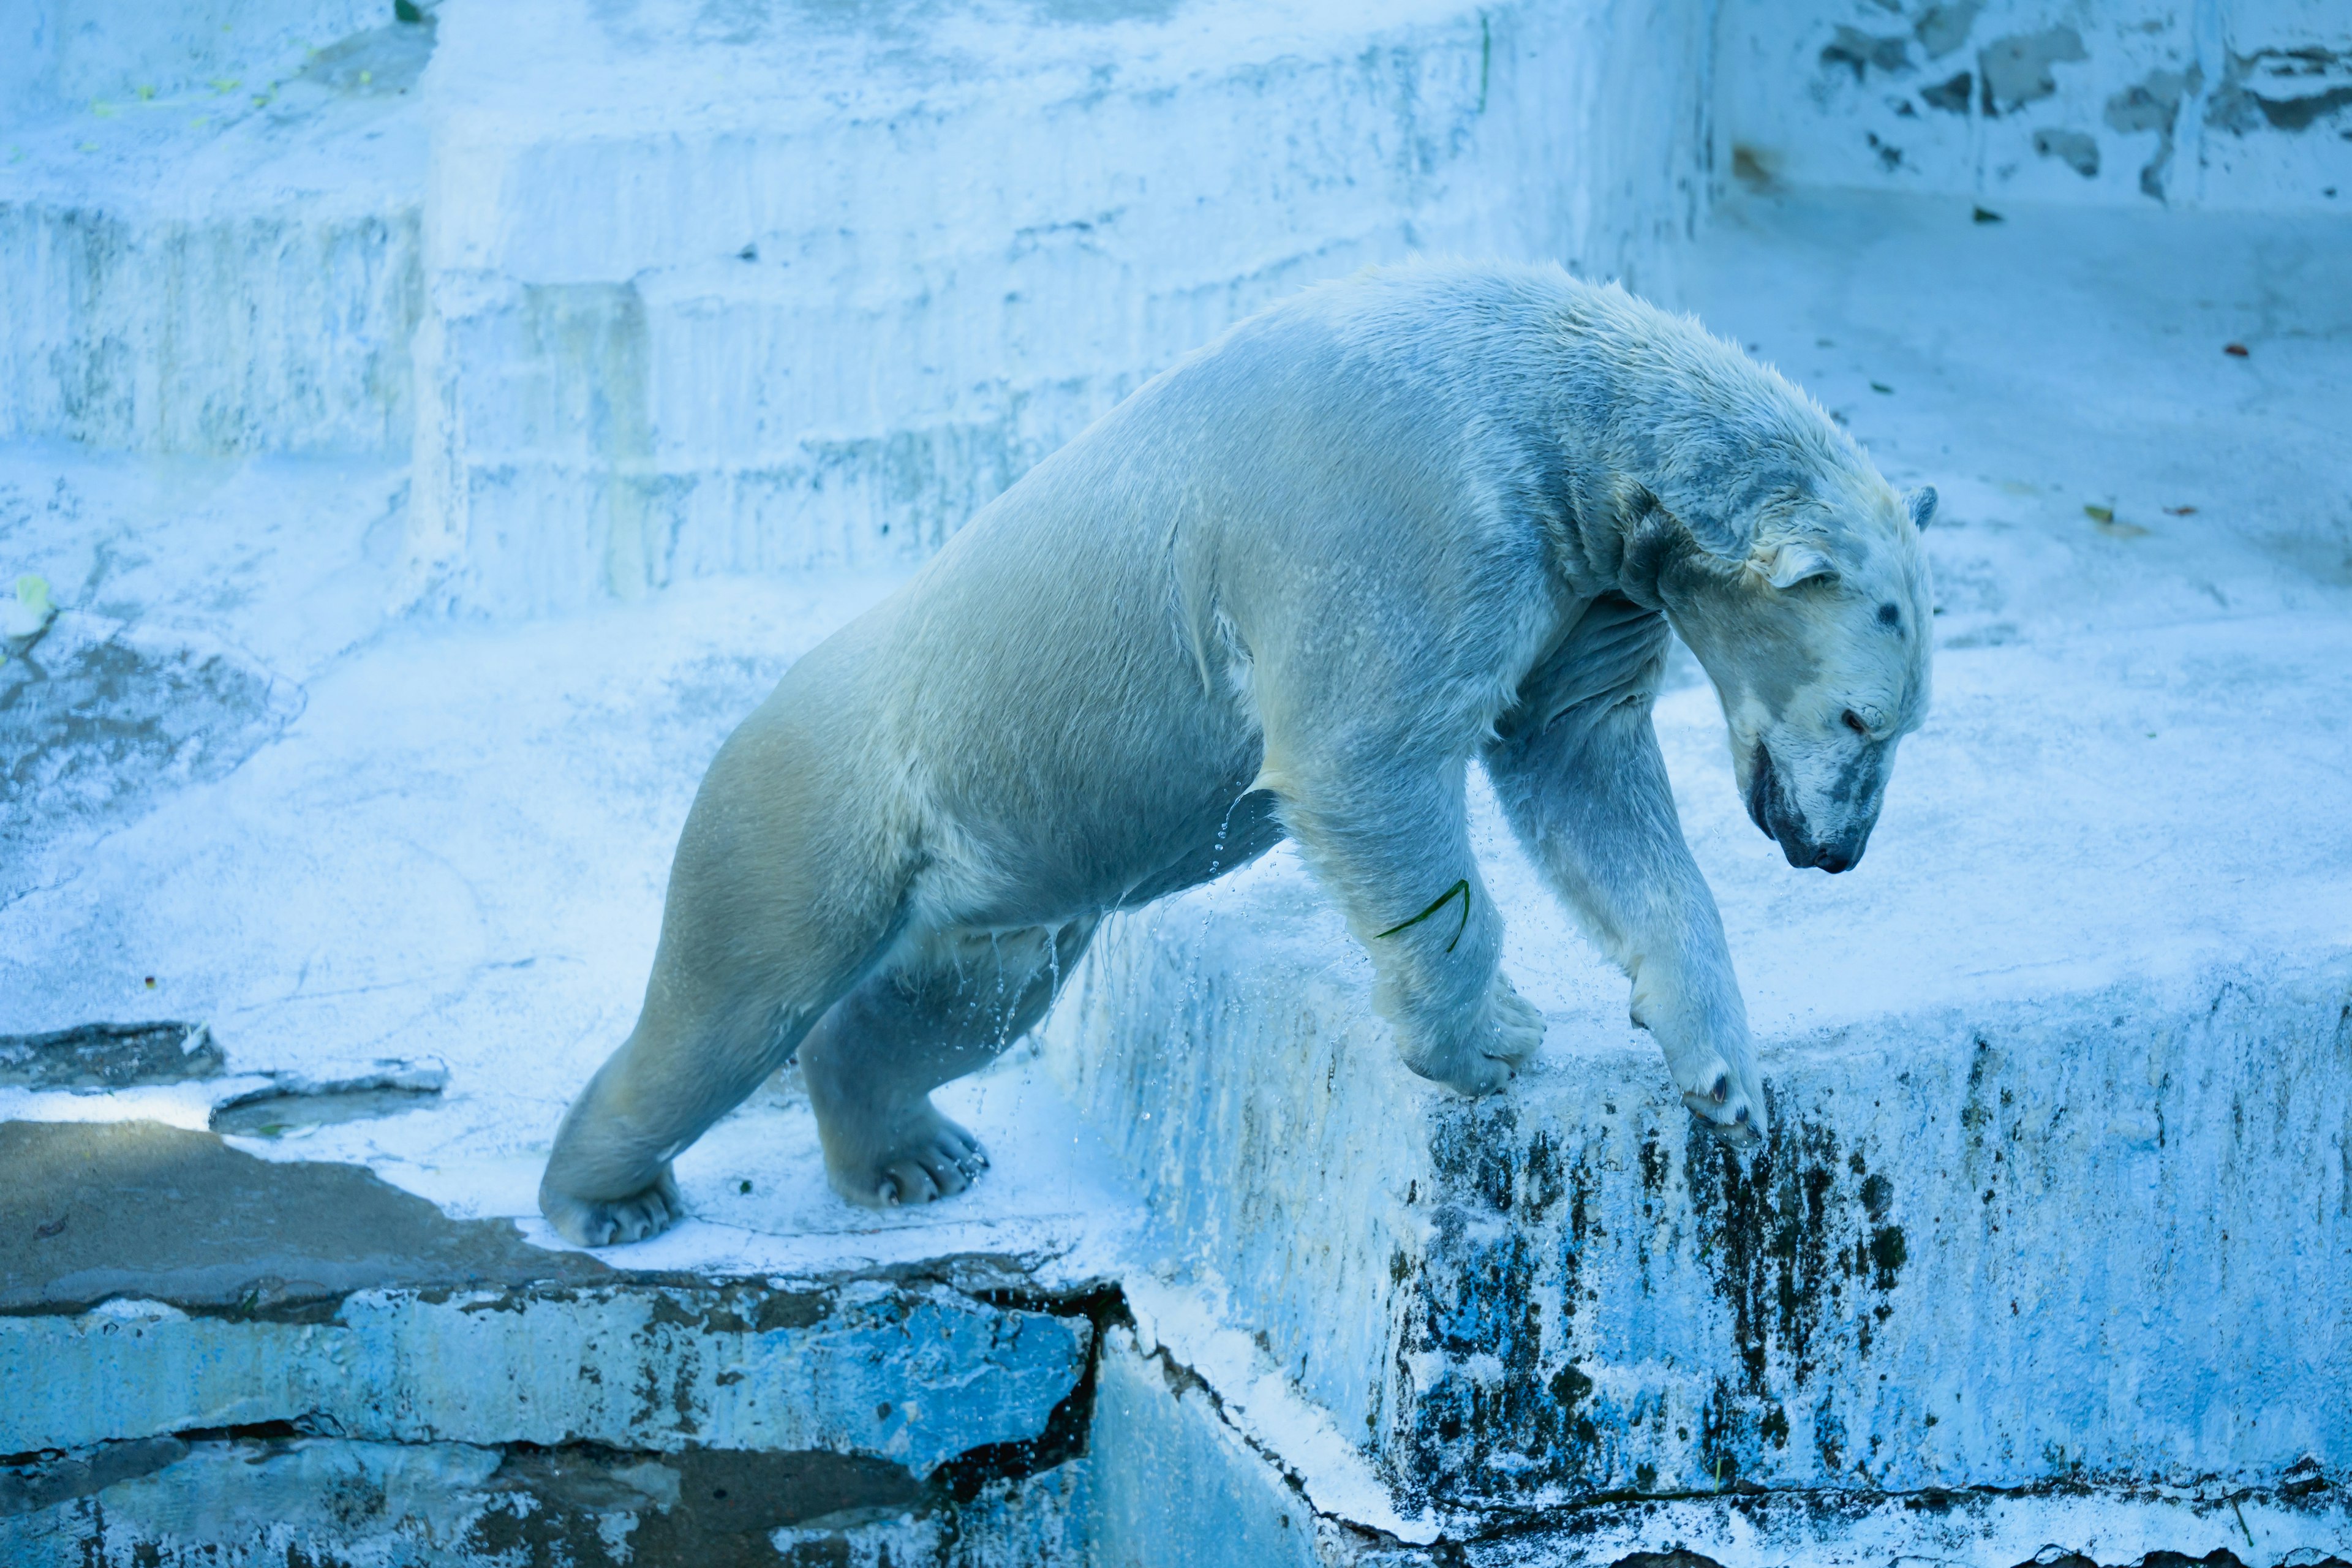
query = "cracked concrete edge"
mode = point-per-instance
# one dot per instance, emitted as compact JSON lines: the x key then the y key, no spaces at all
{"x":140,"y":1210}
{"x":1212,"y":1459}
{"x":272,"y":1497}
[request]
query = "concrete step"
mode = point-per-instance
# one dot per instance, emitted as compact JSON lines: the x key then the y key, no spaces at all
{"x":217,"y":1352}
{"x":1169,"y":1452}
{"x":2085,"y":1234}
{"x":649,"y":300}
{"x":223,"y":270}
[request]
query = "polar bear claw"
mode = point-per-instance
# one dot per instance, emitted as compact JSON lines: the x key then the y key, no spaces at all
{"x":932,"y":1159}
{"x":592,"y":1222}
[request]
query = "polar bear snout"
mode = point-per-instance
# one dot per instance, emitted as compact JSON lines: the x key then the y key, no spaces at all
{"x":1781,"y":819}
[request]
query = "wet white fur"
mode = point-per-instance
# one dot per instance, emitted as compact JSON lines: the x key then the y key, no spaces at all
{"x":1295,"y":585}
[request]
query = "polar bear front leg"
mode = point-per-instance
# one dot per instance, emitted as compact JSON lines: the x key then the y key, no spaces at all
{"x":1589,"y":796}
{"x":1392,"y":846}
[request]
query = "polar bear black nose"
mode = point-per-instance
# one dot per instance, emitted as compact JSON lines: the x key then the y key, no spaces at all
{"x":1833,"y":859}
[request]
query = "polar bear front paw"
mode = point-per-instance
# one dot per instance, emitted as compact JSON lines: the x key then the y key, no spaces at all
{"x":1733,"y":1111}
{"x":606,"y":1222}
{"x":1485,"y":1056}
{"x":915,"y":1159}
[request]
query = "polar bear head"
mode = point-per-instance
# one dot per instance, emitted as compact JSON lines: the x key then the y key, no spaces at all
{"x":1812,"y":620}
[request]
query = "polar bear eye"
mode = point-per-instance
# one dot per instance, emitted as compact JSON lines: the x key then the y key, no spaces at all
{"x":1853,"y":723}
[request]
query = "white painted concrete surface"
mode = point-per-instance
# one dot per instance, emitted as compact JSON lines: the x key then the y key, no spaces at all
{"x":216,"y":269}
{"x":683,"y":323}
{"x":652,"y":295}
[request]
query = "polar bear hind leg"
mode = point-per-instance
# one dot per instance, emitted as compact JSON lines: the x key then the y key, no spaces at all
{"x":695,"y":1054}
{"x":787,"y":892}
{"x":944,"y":1007}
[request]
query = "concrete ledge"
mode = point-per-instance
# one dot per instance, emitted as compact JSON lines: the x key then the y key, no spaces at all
{"x":338,"y":1369}
{"x":1155,"y":1414}
{"x":318,"y":1297}
{"x":2085,"y":1238}
{"x":2048,"y":1202}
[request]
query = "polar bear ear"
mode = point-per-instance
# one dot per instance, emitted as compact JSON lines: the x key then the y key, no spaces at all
{"x":1715,"y":532}
{"x":1790,"y":563}
{"x":1921,"y":504}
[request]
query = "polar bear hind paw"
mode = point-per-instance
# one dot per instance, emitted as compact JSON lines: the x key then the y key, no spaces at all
{"x":607,"y":1222}
{"x":933,"y":1160}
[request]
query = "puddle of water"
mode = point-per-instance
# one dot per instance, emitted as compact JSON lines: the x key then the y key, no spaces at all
{"x":274,"y":1113}
{"x":293,"y":1103}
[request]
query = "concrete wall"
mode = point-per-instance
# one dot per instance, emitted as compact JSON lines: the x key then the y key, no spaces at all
{"x":790,"y":297}
{"x":647,"y":297}
{"x":650,"y":298}
{"x":2217,"y":104}
{"x":2081,"y":1239}
{"x":210,"y":233}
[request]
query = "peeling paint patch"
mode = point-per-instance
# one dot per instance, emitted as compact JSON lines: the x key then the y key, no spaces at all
{"x":1945,"y":27}
{"x":2078,"y":150}
{"x":2239,"y":109}
{"x":2018,"y":68}
{"x":279,"y":1497}
{"x":109,"y":1056}
{"x":100,"y":718}
{"x":1863,"y":52}
{"x":2154,"y":104}
{"x":1951,"y":97}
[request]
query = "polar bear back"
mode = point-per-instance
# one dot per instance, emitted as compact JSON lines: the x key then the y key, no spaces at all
{"x":1332,"y":541}
{"x":1282,"y":547}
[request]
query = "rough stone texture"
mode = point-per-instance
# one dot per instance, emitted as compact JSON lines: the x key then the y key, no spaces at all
{"x":216,"y":271}
{"x":1169,"y":1454}
{"x":769,"y":289}
{"x":296,"y":1361}
{"x":109,"y":1056}
{"x":2245,"y":104}
{"x":2075,"y":1239}
{"x":914,"y":1377}
{"x":236,"y":1293}
{"x":99,"y":719}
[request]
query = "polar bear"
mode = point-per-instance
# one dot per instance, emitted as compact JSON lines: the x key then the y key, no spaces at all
{"x":1290,"y":587}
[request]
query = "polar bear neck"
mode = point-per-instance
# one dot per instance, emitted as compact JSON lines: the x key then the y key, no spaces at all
{"x":1638,"y":438}
{"x":1704,"y":449}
